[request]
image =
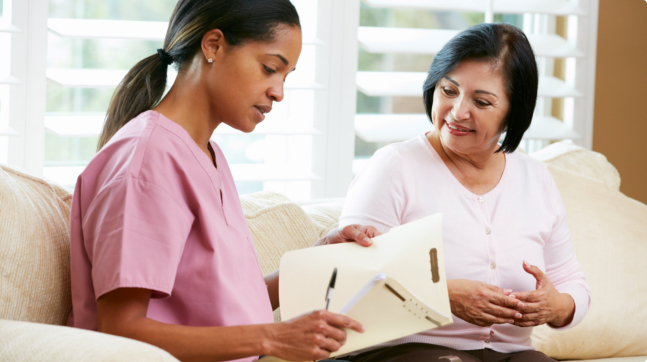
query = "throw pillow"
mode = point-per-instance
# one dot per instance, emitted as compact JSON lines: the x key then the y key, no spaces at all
{"x":34,"y":249}
{"x":609,"y":236}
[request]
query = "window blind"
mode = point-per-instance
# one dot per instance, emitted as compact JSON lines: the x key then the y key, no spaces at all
{"x":277,"y":156}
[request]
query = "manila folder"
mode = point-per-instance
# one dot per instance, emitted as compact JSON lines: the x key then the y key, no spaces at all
{"x":411,"y":253}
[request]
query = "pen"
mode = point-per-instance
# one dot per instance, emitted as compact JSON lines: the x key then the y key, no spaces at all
{"x":331,"y":287}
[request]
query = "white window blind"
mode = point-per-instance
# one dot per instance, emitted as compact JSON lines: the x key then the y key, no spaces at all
{"x":6,"y":79}
{"x":89,"y":54}
{"x":397,"y":41}
{"x":22,"y":89}
{"x":84,"y":48}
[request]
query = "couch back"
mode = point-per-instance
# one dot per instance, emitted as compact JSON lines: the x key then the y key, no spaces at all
{"x":34,"y":249}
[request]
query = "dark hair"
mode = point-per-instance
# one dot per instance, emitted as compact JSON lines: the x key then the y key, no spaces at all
{"x":239,"y":20}
{"x":508,"y":49}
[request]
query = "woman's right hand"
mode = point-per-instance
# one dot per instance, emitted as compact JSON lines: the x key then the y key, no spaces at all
{"x":481,"y":304}
{"x":310,"y":337}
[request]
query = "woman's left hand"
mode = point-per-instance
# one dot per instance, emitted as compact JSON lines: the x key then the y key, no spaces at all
{"x":544,"y":305}
{"x":360,"y":234}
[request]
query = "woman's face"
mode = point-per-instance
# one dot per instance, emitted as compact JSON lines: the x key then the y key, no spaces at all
{"x":244,"y":81}
{"x":469,"y":108}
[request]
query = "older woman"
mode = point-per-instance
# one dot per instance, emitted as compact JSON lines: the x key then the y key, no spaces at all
{"x":508,"y":254}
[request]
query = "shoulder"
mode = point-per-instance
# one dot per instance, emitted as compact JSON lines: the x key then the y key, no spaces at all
{"x":143,"y":147}
{"x":535,"y":175}
{"x":528,"y":166}
{"x":405,"y":152}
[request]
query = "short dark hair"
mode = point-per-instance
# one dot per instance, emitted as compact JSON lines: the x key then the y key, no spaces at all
{"x":507,"y":47}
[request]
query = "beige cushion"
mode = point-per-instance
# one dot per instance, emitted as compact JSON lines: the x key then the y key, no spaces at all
{"x":34,"y":249}
{"x":325,"y":216}
{"x":617,"y":359}
{"x":277,"y":225}
{"x":581,"y":161}
{"x":609,"y":236}
{"x":34,"y":342}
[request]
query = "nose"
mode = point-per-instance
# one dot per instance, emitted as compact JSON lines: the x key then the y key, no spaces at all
{"x":461,"y":108}
{"x":275,"y":92}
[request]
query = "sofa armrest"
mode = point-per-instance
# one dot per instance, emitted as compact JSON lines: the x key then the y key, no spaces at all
{"x":34,"y":342}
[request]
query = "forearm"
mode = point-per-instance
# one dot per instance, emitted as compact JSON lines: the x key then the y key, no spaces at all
{"x":272,"y":283}
{"x":198,"y":343}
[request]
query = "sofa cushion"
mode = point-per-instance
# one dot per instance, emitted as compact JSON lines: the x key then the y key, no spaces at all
{"x":34,"y":249}
{"x":277,"y":225}
{"x":609,"y":236}
{"x":325,"y":216}
{"x":35,"y":342}
{"x":581,"y":161}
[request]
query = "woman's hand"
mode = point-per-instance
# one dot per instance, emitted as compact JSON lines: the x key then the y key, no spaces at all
{"x":544,"y":305}
{"x":310,"y":337}
{"x":481,"y":304}
{"x":360,"y":234}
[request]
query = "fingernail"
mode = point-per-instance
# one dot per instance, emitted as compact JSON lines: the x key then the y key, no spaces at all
{"x":510,"y":321}
{"x":526,"y":263}
{"x":357,"y":233}
{"x":518,"y":315}
{"x":513,"y":296}
{"x":363,"y":329}
{"x":520,"y":305}
{"x":507,"y":290}
{"x":368,"y":241}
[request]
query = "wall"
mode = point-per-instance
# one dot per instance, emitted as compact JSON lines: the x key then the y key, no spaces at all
{"x":620,"y":116}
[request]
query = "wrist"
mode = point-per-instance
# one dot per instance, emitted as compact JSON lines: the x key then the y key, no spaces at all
{"x":268,"y":339}
{"x":564,"y":312}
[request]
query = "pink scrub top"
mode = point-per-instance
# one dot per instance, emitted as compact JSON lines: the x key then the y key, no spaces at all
{"x":151,"y":211}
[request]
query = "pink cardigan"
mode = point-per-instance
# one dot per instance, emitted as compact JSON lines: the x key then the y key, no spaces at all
{"x":486,"y":237}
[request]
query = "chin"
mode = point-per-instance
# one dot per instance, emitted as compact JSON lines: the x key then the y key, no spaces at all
{"x":250,"y":127}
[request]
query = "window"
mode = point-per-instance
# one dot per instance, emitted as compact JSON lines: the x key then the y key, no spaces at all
{"x":397,"y":41}
{"x":333,"y":117}
{"x":91,"y":46}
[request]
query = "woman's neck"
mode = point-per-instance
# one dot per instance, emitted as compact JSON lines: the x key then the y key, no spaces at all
{"x":474,"y":161}
{"x":186,"y":105}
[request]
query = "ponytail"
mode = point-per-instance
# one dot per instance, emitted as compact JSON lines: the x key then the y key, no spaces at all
{"x":140,"y":90}
{"x":240,"y":20}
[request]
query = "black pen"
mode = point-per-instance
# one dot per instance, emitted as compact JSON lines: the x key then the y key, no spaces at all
{"x":331,"y":287}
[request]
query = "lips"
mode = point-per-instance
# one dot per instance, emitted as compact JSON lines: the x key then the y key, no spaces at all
{"x":457,"y":128}
{"x":261,"y":110}
{"x":264,"y":109}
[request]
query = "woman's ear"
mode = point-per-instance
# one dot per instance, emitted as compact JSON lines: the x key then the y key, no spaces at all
{"x":212,"y":43}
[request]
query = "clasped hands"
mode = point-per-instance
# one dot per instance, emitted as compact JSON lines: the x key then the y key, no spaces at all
{"x":483,"y":304}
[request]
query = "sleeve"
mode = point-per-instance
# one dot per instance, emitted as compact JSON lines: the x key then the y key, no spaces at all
{"x":562,"y":267}
{"x":134,"y":234}
{"x":376,"y":196}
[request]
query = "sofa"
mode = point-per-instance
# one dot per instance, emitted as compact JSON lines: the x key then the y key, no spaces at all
{"x":609,"y":232}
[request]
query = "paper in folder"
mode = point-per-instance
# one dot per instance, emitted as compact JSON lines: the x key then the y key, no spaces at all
{"x":395,"y":288}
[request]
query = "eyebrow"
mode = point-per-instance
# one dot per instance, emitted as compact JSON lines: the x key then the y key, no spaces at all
{"x":285,"y":61}
{"x":476,"y":91}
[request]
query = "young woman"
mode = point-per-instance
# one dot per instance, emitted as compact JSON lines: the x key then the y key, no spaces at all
{"x":160,"y":250}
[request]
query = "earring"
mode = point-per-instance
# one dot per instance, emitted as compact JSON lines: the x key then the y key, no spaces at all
{"x":210,"y":60}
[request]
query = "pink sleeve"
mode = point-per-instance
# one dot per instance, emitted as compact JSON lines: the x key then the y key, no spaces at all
{"x":376,"y":196}
{"x":562,"y":267}
{"x":134,"y":234}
